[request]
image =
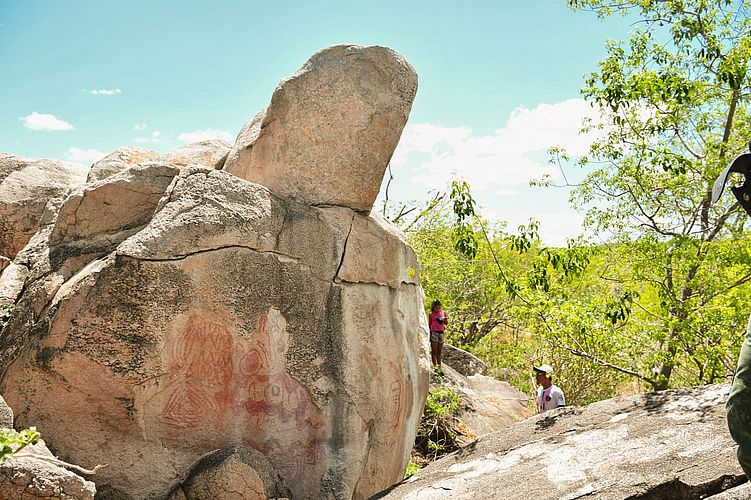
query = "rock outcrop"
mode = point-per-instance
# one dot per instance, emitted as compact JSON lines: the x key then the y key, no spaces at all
{"x":211,"y":153}
{"x":119,"y":160}
{"x":671,"y":444}
{"x":6,"y":414}
{"x":488,"y":404}
{"x":35,"y":476}
{"x":234,"y":473}
{"x":26,"y":185}
{"x":166,"y":311}
{"x":334,"y":123}
{"x":462,"y":361}
{"x":36,"y":473}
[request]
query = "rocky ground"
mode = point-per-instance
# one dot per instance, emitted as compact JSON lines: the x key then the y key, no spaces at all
{"x":666,"y":445}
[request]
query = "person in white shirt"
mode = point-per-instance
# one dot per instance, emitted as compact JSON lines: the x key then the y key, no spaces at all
{"x":549,"y":396}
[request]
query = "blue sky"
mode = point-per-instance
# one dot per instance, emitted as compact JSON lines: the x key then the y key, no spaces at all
{"x":498,"y":82}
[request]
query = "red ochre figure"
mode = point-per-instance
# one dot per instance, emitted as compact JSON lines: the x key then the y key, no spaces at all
{"x":212,"y":374}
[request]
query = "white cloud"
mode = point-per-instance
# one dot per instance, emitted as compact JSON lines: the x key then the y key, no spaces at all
{"x":555,"y":227}
{"x":205,"y":135}
{"x":153,"y":138}
{"x":506,"y":192}
{"x":40,"y":121}
{"x":511,"y":155}
{"x":84,"y":155}
{"x":104,"y":91}
{"x":139,"y":126}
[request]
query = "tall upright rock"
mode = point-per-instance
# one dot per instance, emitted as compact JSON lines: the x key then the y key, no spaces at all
{"x":207,"y":311}
{"x":335,"y":122}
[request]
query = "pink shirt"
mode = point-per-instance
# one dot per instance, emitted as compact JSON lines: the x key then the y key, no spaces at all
{"x":435,"y":326}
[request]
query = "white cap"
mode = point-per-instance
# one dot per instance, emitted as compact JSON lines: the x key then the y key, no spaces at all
{"x":544,"y":369}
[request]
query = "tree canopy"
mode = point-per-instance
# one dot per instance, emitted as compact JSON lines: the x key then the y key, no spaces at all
{"x":662,"y":298}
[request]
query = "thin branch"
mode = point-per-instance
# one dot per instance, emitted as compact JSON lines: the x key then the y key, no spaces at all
{"x":600,"y":362}
{"x":58,"y":462}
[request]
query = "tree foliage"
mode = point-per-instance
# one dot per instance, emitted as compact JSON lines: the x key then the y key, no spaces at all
{"x":661,"y":300}
{"x":12,"y":442}
{"x":675,"y":105}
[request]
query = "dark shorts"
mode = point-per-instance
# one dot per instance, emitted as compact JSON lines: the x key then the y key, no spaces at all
{"x":436,"y":337}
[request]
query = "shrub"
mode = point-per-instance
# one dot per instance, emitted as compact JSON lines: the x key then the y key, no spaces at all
{"x":11,"y":441}
{"x":412,"y":467}
{"x":436,"y":435}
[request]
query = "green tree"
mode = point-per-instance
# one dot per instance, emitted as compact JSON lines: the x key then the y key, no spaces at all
{"x":675,"y":107}
{"x":469,"y":288}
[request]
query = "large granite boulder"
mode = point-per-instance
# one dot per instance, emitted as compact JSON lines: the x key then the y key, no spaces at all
{"x":119,"y":160}
{"x":36,"y":474}
{"x":671,"y":444}
{"x":334,"y":123}
{"x":221,"y":314}
{"x":211,"y":153}
{"x":233,"y":473}
{"x":488,"y":404}
{"x":462,"y":361}
{"x":26,"y":185}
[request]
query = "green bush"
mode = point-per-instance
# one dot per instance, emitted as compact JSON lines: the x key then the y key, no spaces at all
{"x":412,"y":467}
{"x":436,"y":435}
{"x":11,"y":441}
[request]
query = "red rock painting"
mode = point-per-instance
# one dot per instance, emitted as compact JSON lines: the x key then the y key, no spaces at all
{"x":216,"y":376}
{"x":394,"y":412}
{"x":200,"y":362}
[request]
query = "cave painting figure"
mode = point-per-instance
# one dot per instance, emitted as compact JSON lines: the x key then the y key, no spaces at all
{"x":214,"y":375}
{"x":200,"y":363}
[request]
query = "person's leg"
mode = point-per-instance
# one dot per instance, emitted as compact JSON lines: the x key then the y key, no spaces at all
{"x":433,"y":352}
{"x":439,"y":353}
{"x":739,"y":405}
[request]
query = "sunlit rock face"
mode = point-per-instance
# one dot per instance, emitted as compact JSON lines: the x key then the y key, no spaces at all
{"x":26,"y":185}
{"x":211,"y":152}
{"x":119,"y":160}
{"x":333,"y":123}
{"x":218,"y":314}
{"x":659,"y":445}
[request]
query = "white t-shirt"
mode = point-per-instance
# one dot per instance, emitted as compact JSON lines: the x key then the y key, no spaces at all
{"x":549,"y":398}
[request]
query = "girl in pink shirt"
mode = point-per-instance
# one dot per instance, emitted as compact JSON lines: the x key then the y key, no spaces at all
{"x":437,"y":321}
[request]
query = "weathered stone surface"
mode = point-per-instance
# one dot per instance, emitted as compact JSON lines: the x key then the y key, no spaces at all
{"x":119,"y":160}
{"x":462,"y":361}
{"x":122,"y":202}
{"x":378,"y":255}
{"x":11,"y":284}
{"x":488,"y":405}
{"x":6,"y":414}
{"x":211,"y":153}
{"x":331,"y":128}
{"x":223,"y":320}
{"x":29,"y":478}
{"x":25,"y":187}
{"x":742,"y":492}
{"x":234,"y":473}
{"x":672,"y":444}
